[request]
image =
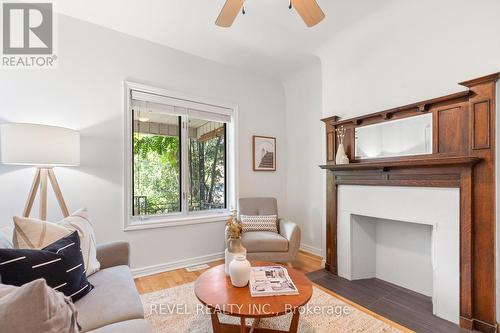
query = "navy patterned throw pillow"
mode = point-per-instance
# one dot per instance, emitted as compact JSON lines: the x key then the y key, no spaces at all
{"x":60,"y":264}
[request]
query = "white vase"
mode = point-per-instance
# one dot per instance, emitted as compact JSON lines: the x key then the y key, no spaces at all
{"x":234,"y":248}
{"x":229,"y":256}
{"x":239,"y":271}
{"x":341,"y":157}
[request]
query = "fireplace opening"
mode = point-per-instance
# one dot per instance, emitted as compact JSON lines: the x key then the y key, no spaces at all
{"x":398,"y":252}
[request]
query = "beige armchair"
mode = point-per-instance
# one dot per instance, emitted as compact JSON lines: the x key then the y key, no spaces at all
{"x":269,"y":246}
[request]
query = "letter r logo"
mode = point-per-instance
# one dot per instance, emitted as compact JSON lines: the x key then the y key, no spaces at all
{"x":27,"y":28}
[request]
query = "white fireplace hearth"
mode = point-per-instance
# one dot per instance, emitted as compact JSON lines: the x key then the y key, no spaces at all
{"x":409,"y":236}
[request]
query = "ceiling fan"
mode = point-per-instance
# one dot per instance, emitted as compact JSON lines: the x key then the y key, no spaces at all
{"x":309,"y":10}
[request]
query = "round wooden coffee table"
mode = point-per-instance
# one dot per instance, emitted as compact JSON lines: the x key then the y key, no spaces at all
{"x":214,"y":289}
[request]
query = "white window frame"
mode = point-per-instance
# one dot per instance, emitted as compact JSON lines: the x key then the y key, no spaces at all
{"x":182,"y":218}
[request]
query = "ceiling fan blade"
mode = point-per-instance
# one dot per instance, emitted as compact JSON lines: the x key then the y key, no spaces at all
{"x":309,"y":10}
{"x":229,"y":12}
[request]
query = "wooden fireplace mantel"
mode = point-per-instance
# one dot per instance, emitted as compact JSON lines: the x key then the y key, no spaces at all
{"x":407,"y":163}
{"x":463,"y":141}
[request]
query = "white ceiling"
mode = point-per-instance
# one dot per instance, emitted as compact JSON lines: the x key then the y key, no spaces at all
{"x":270,"y":39}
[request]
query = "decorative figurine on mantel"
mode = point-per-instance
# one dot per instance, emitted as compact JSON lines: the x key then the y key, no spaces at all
{"x":233,"y":241}
{"x":341,"y":157}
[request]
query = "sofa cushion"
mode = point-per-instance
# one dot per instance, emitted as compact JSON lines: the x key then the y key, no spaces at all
{"x":35,"y":307}
{"x":113,"y":299}
{"x":264,"y":241}
{"x":80,"y":221}
{"x":31,"y":233}
{"x":129,"y":326}
{"x":60,"y":264}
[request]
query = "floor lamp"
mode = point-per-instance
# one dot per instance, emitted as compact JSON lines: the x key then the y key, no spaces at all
{"x":44,"y":147}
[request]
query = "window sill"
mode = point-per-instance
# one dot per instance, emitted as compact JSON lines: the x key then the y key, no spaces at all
{"x":166,"y":222}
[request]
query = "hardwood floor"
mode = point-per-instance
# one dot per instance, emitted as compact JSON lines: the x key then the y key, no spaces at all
{"x":398,"y":304}
{"x":305,"y":262}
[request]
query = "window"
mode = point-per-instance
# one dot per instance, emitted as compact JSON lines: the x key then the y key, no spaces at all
{"x":156,"y":163}
{"x":179,"y":166}
{"x":207,"y":165}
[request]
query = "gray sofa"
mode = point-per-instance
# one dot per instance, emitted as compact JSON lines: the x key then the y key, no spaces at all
{"x":269,"y":246}
{"x":114,"y":304}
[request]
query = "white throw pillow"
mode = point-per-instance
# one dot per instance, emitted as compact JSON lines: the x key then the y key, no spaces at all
{"x":30,"y":233}
{"x":259,"y":223}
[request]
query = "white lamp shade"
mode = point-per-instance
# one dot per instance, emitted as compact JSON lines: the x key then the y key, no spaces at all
{"x":39,"y":145}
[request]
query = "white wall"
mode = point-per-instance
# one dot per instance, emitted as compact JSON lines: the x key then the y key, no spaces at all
{"x":409,"y":51}
{"x":305,"y":180}
{"x":85,"y":93}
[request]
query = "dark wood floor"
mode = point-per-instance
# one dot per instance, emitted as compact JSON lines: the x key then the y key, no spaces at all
{"x":403,"y":306}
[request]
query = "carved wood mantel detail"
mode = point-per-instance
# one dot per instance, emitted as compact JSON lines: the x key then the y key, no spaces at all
{"x":463,"y":157}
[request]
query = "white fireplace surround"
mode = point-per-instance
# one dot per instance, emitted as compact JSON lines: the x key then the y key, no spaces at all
{"x":437,"y":208}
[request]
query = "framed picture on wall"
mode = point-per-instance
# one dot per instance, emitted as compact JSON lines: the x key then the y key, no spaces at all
{"x":264,"y":153}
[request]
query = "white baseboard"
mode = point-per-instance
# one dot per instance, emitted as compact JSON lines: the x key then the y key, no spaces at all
{"x":315,"y":251}
{"x":311,"y":249}
{"x":173,"y":265}
{"x":170,"y":266}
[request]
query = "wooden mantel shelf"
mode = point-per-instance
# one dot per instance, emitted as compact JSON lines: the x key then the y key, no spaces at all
{"x":407,"y":163}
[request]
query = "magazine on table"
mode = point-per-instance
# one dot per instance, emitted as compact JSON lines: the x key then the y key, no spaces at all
{"x":271,"y":281}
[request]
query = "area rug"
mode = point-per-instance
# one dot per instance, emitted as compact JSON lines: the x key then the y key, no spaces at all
{"x":177,"y":310}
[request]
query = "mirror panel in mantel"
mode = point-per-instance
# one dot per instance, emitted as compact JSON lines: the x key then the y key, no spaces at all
{"x":403,"y":137}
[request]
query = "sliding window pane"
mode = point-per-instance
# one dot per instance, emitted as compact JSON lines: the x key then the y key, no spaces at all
{"x":207,"y":165}
{"x":156,"y":163}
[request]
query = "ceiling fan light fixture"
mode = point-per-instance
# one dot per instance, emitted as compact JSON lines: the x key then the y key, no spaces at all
{"x":309,"y":11}
{"x":229,"y":12}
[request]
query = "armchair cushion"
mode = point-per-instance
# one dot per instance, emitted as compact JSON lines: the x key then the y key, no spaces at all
{"x":259,"y":223}
{"x":264,"y":241}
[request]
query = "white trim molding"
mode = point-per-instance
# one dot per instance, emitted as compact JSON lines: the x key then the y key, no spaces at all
{"x":173,"y":265}
{"x":188,"y":220}
{"x":312,"y":250}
